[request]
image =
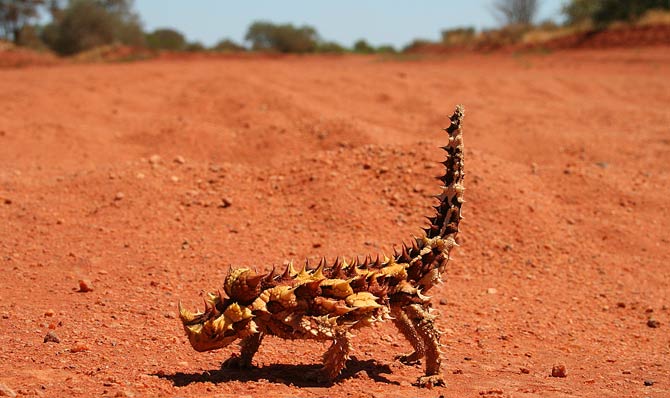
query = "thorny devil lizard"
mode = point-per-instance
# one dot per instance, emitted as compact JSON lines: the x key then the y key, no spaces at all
{"x":328,"y":302}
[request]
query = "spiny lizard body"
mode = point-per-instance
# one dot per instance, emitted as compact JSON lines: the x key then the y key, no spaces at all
{"x":328,"y":302}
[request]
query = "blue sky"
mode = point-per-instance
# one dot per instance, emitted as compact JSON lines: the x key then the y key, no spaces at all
{"x":395,"y":22}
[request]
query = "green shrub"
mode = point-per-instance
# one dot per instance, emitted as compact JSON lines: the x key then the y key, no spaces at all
{"x":284,"y":38}
{"x":195,"y":46}
{"x":603,"y":12}
{"x":386,"y":49}
{"x":228,"y":45}
{"x":625,"y":10}
{"x":330,"y":47}
{"x":165,"y":39}
{"x":363,"y":47}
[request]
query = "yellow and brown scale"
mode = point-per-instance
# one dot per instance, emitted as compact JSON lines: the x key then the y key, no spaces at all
{"x":328,"y":302}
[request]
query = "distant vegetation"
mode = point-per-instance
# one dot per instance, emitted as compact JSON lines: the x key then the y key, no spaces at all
{"x":81,"y":25}
{"x":284,"y":38}
{"x":515,"y":12}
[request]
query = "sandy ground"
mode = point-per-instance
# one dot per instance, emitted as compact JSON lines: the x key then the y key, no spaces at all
{"x":118,"y":173}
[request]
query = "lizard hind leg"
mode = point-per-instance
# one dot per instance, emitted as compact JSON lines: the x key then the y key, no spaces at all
{"x":425,"y":328}
{"x":249,"y":347}
{"x":403,"y":323}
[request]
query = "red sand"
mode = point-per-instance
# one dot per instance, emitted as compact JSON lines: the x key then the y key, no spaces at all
{"x":564,"y":253}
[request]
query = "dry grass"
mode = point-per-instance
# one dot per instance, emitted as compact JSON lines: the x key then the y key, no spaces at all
{"x":654,"y":17}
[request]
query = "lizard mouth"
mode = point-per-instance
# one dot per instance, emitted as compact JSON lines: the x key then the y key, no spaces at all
{"x":211,"y":330}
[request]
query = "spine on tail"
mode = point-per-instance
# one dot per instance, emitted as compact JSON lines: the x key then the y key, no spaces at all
{"x":430,"y":259}
{"x":448,"y":212}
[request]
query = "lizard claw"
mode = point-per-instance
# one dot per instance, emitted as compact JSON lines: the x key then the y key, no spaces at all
{"x":430,"y":381}
{"x":236,"y":362}
{"x":408,"y":359}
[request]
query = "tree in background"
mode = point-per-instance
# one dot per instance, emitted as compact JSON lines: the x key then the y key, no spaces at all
{"x":625,"y":10}
{"x":85,"y":24}
{"x":515,"y":12}
{"x":579,"y":12}
{"x":363,"y":47}
{"x":603,"y":12}
{"x":284,"y":38}
{"x":15,"y":15}
{"x":166,"y":39}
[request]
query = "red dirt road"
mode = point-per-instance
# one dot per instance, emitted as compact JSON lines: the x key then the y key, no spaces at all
{"x":564,"y":254}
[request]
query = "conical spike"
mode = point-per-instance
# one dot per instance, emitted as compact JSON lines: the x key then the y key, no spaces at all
{"x":303,"y":272}
{"x":186,"y":315}
{"x":318,"y":273}
{"x":405,"y":254}
{"x":270,"y":275}
{"x":253,"y":281}
{"x":289,"y":271}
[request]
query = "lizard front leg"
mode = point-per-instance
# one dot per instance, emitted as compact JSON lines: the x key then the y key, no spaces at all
{"x":336,"y":356}
{"x":249,"y":346}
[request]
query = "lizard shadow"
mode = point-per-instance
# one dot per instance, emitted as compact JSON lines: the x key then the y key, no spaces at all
{"x":281,"y":373}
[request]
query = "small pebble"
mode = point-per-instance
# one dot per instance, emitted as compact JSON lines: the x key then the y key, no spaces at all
{"x":79,"y":348}
{"x":179,"y":159}
{"x":648,"y":383}
{"x":85,"y":285}
{"x":559,"y":371}
{"x":443,"y":301}
{"x":653,"y":323}
{"x":51,"y":337}
{"x":170,"y":315}
{"x":524,"y":370}
{"x":154,"y":159}
{"x":491,"y":290}
{"x":119,"y":196}
{"x":49,"y":313}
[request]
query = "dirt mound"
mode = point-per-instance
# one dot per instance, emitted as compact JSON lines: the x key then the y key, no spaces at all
{"x":626,"y":37}
{"x":511,"y":41}
{"x":12,"y":56}
{"x":113,"y":53}
{"x":125,"y":188}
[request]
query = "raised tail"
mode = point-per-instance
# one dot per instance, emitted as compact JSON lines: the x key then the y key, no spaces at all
{"x":429,"y":255}
{"x":448,"y":213}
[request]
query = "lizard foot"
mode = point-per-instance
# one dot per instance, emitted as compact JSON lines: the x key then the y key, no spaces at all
{"x":430,"y":381}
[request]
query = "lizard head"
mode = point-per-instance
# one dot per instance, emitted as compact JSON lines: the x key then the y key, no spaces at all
{"x":224,"y":320}
{"x":211,"y":330}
